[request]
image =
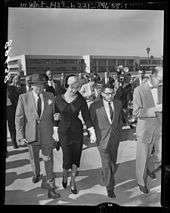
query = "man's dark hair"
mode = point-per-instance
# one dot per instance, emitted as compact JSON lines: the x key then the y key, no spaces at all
{"x":45,"y":77}
{"x":107,"y":85}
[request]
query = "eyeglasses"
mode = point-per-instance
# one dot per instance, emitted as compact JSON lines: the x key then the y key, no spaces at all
{"x":109,"y":93}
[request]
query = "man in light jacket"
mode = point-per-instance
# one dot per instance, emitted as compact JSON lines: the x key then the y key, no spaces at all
{"x":146,"y":108}
{"x":34,"y":126}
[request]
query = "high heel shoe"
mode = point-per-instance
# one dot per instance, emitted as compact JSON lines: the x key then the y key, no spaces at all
{"x":73,"y":188}
{"x":64,"y":182}
{"x":143,"y":189}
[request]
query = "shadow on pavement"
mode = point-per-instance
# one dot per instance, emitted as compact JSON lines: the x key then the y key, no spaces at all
{"x":91,"y":191}
{"x":31,"y":197}
{"x":17,"y":151}
{"x":12,"y":176}
{"x":128,"y":134}
{"x":17,"y":163}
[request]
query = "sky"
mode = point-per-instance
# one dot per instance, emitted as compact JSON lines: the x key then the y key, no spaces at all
{"x":42,"y":31}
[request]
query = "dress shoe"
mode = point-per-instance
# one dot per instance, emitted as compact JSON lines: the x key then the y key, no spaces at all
{"x":111,"y":194}
{"x":45,"y":185}
{"x":15,"y":146}
{"x":52,"y":194}
{"x":73,"y":188}
{"x":57,"y":146}
{"x":64,"y":182}
{"x":143,"y":189}
{"x":36,"y":179}
{"x":151,"y":174}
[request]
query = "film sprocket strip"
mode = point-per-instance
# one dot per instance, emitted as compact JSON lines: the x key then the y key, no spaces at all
{"x":7,"y":50}
{"x":112,"y":4}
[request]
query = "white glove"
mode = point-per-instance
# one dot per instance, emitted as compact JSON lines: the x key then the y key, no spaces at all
{"x":158,"y":108}
{"x":57,"y":116}
{"x":55,"y":134}
{"x":23,"y":141}
{"x":92,"y":135}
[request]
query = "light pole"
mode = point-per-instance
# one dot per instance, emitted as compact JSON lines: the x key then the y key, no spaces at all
{"x":148,"y":51}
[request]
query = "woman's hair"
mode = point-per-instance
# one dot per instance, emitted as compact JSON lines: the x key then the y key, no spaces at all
{"x":66,"y":80}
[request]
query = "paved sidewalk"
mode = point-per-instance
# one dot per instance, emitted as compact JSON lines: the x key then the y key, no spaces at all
{"x":21,"y":191}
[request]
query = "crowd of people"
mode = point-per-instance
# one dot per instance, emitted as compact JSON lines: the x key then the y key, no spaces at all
{"x":45,"y":113}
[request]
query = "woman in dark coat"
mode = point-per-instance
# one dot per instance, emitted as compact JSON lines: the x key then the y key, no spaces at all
{"x":70,"y":128}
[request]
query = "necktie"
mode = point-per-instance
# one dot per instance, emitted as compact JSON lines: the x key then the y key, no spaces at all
{"x":39,"y":106}
{"x":111,"y":111}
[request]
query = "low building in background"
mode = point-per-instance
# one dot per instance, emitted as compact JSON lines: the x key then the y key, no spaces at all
{"x":67,"y":64}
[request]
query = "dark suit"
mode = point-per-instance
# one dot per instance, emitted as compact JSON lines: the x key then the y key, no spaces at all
{"x":50,"y":89}
{"x":108,"y":135}
{"x":13,"y":96}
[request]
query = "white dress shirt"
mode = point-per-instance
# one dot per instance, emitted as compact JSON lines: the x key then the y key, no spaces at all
{"x":51,"y":83}
{"x":36,"y":100}
{"x":154,"y":92}
{"x":106,"y":106}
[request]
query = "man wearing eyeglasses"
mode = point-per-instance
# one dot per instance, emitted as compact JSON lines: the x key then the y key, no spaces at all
{"x":106,"y":118}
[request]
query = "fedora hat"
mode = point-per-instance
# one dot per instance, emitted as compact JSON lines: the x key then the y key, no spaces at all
{"x":37,"y":79}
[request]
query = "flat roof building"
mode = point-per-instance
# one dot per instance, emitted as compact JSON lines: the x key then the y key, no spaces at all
{"x":30,"y":64}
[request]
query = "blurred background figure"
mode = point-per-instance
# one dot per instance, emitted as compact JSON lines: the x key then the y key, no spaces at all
{"x":16,"y":82}
{"x":125,"y":95}
{"x":51,"y":81}
{"x":55,"y":86}
{"x":13,"y":93}
{"x":87,"y":89}
{"x":28,"y":83}
{"x":47,"y":86}
{"x":144,"y":78}
{"x":98,"y":89}
{"x":111,"y":81}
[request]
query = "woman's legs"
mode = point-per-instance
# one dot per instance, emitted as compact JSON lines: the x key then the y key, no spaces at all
{"x":65,"y":177}
{"x":76,"y":157}
{"x":73,"y":176}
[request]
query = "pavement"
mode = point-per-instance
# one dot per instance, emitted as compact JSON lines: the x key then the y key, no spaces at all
{"x":20,"y":190}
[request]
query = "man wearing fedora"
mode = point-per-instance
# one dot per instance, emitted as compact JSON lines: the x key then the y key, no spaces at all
{"x":34,"y":121}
